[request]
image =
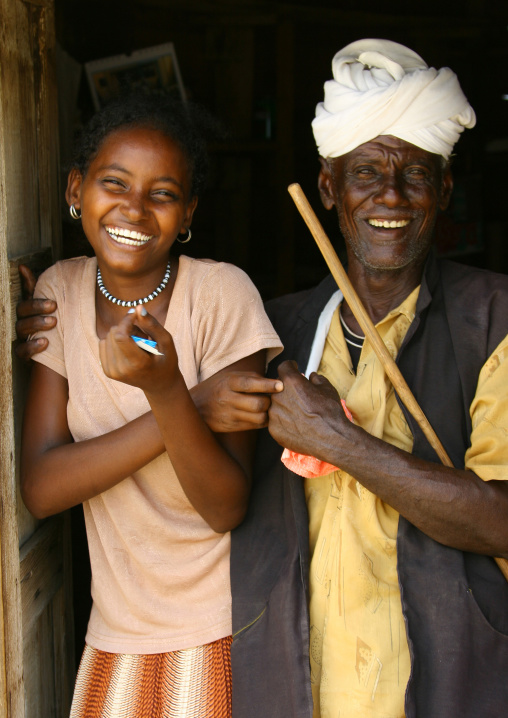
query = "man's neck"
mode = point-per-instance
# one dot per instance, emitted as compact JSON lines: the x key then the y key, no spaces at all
{"x":380,"y":291}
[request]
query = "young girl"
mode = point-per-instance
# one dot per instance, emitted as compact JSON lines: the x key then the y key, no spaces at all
{"x":114,"y":426}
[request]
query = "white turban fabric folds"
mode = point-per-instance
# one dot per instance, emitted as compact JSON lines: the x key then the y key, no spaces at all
{"x":383,"y":88}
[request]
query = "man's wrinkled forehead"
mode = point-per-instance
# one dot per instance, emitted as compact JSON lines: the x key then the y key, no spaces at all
{"x":386,"y":147}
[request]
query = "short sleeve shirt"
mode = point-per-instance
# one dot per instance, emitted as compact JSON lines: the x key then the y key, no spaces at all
{"x":160,"y":574}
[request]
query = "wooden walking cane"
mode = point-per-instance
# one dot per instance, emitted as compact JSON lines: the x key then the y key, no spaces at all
{"x":370,"y":331}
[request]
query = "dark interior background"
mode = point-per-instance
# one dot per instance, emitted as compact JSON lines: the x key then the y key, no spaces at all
{"x":252,"y":60}
{"x":260,"y":66}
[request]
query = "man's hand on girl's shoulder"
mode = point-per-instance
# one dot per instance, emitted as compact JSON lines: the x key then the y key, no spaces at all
{"x":31,"y":318}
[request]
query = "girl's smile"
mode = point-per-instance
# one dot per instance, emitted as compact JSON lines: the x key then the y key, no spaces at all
{"x":126,"y":236}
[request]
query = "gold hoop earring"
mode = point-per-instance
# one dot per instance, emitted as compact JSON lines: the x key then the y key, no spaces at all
{"x":187,"y":239}
{"x":74,"y":212}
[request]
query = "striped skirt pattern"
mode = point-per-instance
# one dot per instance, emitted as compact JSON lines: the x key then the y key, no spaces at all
{"x":192,"y":683}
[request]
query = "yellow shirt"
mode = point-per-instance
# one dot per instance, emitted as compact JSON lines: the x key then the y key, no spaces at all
{"x":359,"y":654}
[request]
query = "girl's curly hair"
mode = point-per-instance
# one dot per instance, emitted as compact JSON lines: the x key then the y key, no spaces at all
{"x":189,"y":125}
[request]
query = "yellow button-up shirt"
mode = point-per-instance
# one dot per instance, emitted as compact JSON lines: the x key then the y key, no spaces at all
{"x":359,"y":654}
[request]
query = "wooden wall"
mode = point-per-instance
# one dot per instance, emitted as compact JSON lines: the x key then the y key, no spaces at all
{"x":36,"y":630}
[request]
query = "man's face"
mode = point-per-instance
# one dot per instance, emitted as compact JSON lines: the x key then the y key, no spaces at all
{"x":387,"y":193}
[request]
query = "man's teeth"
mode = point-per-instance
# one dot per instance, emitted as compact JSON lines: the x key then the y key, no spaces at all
{"x":394,"y":224}
{"x":126,"y":236}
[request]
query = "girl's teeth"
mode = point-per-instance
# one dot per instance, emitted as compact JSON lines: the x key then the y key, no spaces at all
{"x":126,"y":236}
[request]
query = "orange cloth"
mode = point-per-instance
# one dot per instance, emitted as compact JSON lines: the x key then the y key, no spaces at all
{"x":308,"y":466}
{"x":194,"y":682}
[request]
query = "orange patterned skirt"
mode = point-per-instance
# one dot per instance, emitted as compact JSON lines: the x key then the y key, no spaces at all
{"x":192,"y":683}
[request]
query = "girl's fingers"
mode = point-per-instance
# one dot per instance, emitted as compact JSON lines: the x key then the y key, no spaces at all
{"x":122,"y":334}
{"x":125,"y":327}
{"x":122,"y":359}
{"x":148,"y":324}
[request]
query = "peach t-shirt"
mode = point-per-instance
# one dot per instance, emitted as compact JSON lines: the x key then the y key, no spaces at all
{"x":160,"y":574}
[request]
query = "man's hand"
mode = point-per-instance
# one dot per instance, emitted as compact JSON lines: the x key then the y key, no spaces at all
{"x":452,"y":506}
{"x":31,"y":314}
{"x":306,"y":412}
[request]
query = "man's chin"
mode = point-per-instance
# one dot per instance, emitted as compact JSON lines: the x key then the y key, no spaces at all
{"x":390,"y":263}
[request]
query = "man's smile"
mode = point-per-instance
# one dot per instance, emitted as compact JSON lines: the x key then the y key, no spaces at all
{"x":388,"y":224}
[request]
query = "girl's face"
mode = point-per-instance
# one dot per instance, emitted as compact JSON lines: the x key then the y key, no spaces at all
{"x":134,"y":200}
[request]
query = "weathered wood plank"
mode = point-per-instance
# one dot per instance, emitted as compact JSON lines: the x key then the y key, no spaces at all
{"x":20,"y":128}
{"x":39,"y":3}
{"x":29,"y":222}
{"x":6,"y":435}
{"x":46,"y":595}
{"x":11,"y":190}
{"x":46,"y":117}
{"x":63,"y":630}
{"x":39,"y":669}
{"x":41,"y":570}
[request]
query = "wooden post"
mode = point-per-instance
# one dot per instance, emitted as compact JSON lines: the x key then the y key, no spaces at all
{"x":36,"y":651}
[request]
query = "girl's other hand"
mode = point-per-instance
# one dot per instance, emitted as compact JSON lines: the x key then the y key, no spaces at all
{"x":235,"y":400}
{"x":124,"y":361}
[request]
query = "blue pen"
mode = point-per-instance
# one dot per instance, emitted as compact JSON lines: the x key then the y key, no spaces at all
{"x":147,"y":344}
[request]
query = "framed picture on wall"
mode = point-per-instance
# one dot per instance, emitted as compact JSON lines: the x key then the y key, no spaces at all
{"x":153,"y":67}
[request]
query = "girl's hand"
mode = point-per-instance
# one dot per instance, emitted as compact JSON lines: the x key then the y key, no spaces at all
{"x":124,"y":361}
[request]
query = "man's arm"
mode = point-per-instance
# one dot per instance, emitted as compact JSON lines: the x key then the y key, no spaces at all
{"x":452,"y":506}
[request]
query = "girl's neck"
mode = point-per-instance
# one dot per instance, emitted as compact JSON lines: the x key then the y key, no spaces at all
{"x":109,"y":314}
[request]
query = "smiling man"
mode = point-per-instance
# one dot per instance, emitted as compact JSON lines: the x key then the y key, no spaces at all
{"x":406,"y":609}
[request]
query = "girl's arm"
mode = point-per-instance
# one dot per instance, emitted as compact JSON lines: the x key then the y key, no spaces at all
{"x":57,"y":474}
{"x":215,"y":475}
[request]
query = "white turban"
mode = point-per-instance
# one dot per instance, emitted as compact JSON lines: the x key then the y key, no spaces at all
{"x":383,"y":88}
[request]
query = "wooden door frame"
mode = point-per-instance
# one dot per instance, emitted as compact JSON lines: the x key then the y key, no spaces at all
{"x":29,"y":210}
{"x":11,"y":635}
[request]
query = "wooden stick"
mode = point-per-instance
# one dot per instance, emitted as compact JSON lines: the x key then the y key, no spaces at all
{"x":363,"y":319}
{"x":370,"y":331}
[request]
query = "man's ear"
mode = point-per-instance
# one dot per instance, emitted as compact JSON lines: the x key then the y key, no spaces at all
{"x":325,"y":184}
{"x":72,"y":193}
{"x":446,"y":188}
